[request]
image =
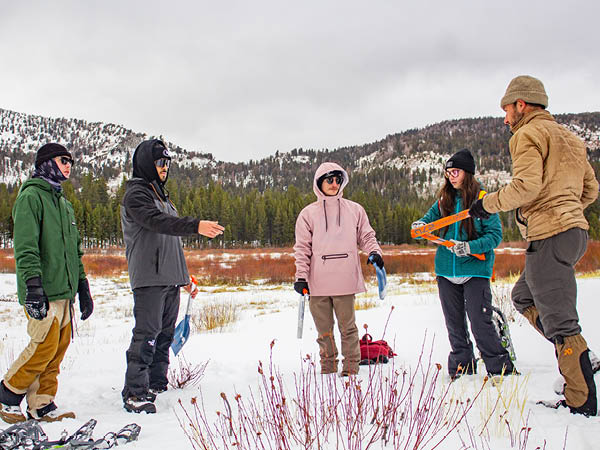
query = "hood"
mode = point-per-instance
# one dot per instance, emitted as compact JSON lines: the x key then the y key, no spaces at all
{"x":143,"y":161}
{"x":322,"y":170}
{"x":39,"y":182}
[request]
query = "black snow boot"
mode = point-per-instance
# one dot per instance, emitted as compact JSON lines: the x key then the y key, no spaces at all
{"x":10,"y":409}
{"x":144,"y":403}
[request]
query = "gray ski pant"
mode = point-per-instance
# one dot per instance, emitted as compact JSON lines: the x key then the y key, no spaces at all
{"x":548,"y":282}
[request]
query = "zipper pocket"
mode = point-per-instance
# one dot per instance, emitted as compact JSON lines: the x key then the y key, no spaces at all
{"x":334,"y":256}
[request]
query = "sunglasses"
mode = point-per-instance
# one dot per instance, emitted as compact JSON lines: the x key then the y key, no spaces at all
{"x":64,"y":160}
{"x":163,"y":162}
{"x":452,"y":173}
{"x":338,"y":179}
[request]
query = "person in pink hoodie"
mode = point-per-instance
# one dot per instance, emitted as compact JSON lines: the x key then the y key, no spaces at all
{"x":329,"y":233}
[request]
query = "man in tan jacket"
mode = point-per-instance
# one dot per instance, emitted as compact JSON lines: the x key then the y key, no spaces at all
{"x":552,"y":184}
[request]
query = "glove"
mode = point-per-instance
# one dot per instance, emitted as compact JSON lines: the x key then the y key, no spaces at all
{"x":417,"y":224}
{"x":460,"y":248}
{"x":300,"y":285}
{"x":477,"y":211}
{"x":86,"y":304}
{"x":36,"y":301}
{"x":377,"y":259}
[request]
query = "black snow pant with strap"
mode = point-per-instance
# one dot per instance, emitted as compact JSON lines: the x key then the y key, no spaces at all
{"x":155,"y":311}
{"x":472,"y":299}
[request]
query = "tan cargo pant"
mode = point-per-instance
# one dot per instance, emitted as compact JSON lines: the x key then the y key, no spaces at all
{"x":36,"y":369}
{"x":322,"y":310}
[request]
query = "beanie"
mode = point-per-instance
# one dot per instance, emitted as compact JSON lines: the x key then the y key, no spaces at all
{"x":49,"y":151}
{"x":462,"y":160}
{"x":526,"y":88}
{"x":332,"y":173}
{"x":159,"y":151}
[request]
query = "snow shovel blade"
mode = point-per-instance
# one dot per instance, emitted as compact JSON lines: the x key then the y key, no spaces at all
{"x":182,"y":333}
{"x":381,"y":279}
{"x":301,"y":304}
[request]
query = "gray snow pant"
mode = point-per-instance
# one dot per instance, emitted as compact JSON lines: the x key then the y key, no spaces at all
{"x":546,"y":294}
{"x":548,"y":282}
{"x":472,"y":299}
{"x":155,"y":311}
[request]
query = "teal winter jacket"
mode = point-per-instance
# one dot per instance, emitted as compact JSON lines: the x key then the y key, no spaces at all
{"x":46,"y":241}
{"x":489,"y":236}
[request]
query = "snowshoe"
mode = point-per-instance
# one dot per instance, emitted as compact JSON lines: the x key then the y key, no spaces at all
{"x":84,"y":433}
{"x":138,"y":405}
{"x":553,"y":405}
{"x":25,"y":435}
{"x":50,"y":413}
{"x":501,"y":325}
{"x":563,"y":403}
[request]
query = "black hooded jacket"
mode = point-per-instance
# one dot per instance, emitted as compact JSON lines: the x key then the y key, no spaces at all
{"x":151,"y":227}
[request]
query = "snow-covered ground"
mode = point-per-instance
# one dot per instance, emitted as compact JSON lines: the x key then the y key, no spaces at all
{"x":92,"y":373}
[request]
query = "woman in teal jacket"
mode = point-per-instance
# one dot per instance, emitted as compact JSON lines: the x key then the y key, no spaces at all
{"x":463,"y":280}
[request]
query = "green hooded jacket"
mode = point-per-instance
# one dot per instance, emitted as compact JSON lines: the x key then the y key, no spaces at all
{"x":46,"y":241}
{"x":489,"y":236}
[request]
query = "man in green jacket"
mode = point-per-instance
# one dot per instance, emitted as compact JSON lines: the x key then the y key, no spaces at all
{"x":552,"y":184}
{"x":49,"y":274}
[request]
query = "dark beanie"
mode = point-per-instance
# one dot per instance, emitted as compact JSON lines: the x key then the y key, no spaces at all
{"x":49,"y":151}
{"x":462,"y":160}
{"x":159,"y":151}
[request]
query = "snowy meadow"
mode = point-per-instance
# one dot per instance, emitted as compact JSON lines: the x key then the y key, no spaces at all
{"x":246,"y":381}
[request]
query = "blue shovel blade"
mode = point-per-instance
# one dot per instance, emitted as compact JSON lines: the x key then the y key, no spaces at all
{"x":381,"y":279}
{"x":182,"y":333}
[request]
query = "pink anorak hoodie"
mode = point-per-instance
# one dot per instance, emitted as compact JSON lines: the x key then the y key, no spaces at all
{"x":329,"y":233}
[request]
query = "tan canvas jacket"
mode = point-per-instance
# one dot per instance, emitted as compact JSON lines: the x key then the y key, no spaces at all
{"x":552,"y":183}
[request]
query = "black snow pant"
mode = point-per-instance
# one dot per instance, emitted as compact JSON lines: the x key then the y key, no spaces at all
{"x":472,"y":299}
{"x":155,"y":311}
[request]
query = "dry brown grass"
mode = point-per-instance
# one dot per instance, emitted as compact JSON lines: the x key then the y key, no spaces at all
{"x":214,"y":316}
{"x":237,"y":267}
{"x":365,"y":303}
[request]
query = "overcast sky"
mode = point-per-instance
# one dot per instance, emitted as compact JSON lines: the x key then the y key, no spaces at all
{"x":242,"y":79}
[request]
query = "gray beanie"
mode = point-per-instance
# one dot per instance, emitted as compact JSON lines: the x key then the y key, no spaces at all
{"x":526,"y":88}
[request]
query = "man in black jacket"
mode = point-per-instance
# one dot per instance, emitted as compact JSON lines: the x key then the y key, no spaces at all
{"x":157,"y":269}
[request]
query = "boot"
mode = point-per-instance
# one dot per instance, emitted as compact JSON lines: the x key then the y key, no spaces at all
{"x":50,"y":413}
{"x":575,"y":366}
{"x":140,"y":404}
{"x":559,"y":383}
{"x":10,"y":409}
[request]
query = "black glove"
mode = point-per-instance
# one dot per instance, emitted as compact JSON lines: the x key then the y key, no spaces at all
{"x":36,"y":301}
{"x":300,"y":286}
{"x":86,"y":304}
{"x":477,"y":211}
{"x":377,"y":259}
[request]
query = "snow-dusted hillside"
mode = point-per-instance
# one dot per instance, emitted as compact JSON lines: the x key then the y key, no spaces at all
{"x":97,"y":147}
{"x":413,"y":159}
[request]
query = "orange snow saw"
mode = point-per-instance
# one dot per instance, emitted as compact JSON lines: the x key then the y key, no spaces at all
{"x":440,"y":223}
{"x":446,"y":243}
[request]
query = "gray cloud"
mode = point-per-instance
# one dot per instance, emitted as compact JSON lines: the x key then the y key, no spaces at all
{"x":243,"y":79}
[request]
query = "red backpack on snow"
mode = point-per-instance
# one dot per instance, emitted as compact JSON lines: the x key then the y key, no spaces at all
{"x":373,"y":352}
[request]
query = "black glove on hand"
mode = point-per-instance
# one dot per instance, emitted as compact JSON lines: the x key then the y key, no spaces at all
{"x":300,"y":285}
{"x":477,"y":211}
{"x":86,"y":304}
{"x":36,"y":301}
{"x":377,"y":259}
